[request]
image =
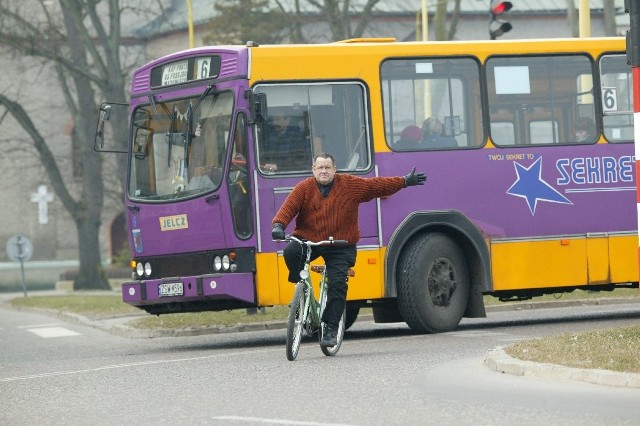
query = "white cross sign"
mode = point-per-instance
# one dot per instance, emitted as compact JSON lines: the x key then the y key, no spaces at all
{"x":42,"y":197}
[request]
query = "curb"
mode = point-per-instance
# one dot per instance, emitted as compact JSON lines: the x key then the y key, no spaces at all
{"x":498,"y":360}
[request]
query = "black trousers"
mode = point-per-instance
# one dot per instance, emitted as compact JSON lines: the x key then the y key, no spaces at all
{"x":338,"y":260}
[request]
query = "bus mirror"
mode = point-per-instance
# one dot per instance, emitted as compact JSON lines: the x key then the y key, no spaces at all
{"x":259,"y":113}
{"x":104,"y":115}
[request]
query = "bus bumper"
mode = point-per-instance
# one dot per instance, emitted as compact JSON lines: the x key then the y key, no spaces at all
{"x":191,"y":294}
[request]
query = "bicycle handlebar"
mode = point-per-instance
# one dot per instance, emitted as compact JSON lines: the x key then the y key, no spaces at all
{"x":328,"y":242}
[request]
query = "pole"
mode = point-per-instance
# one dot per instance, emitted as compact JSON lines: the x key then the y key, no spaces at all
{"x":633,"y":59}
{"x":21,"y":255}
{"x":190,"y":23}
{"x":427,"y":85}
{"x":425,"y":22}
{"x":584,"y":19}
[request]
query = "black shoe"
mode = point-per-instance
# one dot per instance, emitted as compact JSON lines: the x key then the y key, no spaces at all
{"x":329,"y":338}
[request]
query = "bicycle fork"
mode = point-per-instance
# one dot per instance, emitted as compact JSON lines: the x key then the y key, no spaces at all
{"x":311,"y":321}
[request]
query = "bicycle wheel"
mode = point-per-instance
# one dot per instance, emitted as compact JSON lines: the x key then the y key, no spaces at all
{"x":295,"y":322}
{"x":331,"y":350}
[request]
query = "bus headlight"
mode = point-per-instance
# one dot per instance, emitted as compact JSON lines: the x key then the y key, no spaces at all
{"x":147,"y":269}
{"x":217,"y":263}
{"x":225,"y":262}
{"x":139,"y":269}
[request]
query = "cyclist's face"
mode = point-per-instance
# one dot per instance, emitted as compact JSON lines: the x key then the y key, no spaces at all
{"x":324,"y":170}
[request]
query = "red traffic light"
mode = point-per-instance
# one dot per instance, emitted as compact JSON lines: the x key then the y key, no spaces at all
{"x":501,"y":7}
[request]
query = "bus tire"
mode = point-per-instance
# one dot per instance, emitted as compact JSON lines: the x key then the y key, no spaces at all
{"x":433,"y":284}
{"x":351,"y":315}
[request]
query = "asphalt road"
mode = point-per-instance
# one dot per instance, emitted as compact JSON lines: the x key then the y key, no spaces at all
{"x":57,"y":372}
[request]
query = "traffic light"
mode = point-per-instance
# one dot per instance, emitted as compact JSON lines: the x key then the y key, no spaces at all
{"x":498,"y":26}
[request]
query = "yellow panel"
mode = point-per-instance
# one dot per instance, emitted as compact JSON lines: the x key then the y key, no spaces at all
{"x":537,"y":264}
{"x":266,"y":279}
{"x":623,"y":252}
{"x":277,"y":290}
{"x":368,"y":282}
{"x":598,"y":260}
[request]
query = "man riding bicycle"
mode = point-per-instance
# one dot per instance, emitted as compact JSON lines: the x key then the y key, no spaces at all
{"x":326,"y":205}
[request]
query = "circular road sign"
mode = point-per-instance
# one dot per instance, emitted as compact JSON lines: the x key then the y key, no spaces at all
{"x":19,"y":248}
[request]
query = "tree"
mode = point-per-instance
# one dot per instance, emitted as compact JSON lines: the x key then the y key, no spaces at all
{"x":80,"y":40}
{"x":238,"y":21}
{"x":340,"y":14}
{"x":265,"y":21}
{"x":440,"y":20}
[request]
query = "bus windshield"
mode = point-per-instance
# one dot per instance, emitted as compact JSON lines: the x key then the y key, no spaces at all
{"x":179,"y":147}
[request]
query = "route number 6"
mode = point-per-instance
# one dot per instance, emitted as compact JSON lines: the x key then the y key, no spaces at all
{"x":609,"y":99}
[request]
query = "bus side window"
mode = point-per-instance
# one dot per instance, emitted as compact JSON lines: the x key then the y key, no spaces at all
{"x":616,"y":96}
{"x":426,"y":90}
{"x":328,"y":117}
{"x":540,"y":96}
{"x":239,"y":183}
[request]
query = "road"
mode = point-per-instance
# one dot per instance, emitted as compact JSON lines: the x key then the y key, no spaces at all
{"x":52,"y":372}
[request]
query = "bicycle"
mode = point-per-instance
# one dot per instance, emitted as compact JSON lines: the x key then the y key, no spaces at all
{"x":305,"y":312}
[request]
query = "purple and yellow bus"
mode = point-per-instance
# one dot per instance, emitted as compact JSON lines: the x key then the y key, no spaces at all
{"x":531,"y":174}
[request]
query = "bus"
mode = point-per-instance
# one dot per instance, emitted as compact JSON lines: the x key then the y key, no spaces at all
{"x":532,"y":194}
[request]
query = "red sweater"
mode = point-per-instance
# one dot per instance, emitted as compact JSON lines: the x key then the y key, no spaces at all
{"x":336,"y":215}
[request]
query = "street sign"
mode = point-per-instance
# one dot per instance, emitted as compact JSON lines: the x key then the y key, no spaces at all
{"x":19,"y":248}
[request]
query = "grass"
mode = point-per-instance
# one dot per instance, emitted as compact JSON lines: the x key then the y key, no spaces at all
{"x":200,"y":320}
{"x":615,"y":349}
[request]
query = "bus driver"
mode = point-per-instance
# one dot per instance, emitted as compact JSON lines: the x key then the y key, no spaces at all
{"x":326,"y":205}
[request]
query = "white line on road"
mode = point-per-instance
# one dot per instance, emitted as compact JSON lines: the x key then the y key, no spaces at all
{"x":276,"y":421}
{"x":49,"y":332}
{"x":129,"y":365}
{"x":50,"y":324}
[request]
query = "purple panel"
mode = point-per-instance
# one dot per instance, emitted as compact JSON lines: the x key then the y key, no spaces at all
{"x":227,"y":286}
{"x":533,"y":191}
{"x":235,"y":286}
{"x":131,"y":293}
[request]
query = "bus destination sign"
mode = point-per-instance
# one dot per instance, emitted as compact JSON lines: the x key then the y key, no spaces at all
{"x":175,"y":73}
{"x":186,"y":70}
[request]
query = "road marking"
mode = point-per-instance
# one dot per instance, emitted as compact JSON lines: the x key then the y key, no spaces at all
{"x":132,"y":364}
{"x":49,"y":332}
{"x":50,"y":324}
{"x":276,"y":421}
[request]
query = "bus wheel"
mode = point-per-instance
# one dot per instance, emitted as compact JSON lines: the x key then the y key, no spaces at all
{"x":433,"y":284}
{"x":351,"y":316}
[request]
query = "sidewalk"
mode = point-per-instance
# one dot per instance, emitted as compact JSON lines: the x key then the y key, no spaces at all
{"x":496,"y":359}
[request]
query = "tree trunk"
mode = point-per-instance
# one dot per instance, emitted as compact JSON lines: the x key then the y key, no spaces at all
{"x":91,"y":275}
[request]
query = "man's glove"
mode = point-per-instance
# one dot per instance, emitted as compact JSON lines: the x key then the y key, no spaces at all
{"x":277,"y":233}
{"x":414,"y":178}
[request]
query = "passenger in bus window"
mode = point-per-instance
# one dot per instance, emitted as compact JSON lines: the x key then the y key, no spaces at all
{"x":326,"y":205}
{"x":585,"y":129}
{"x":285,"y":147}
{"x":410,"y":138}
{"x":433,"y":137}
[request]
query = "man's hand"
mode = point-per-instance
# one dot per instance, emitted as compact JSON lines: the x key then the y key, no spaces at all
{"x":277,"y":233}
{"x":414,"y":178}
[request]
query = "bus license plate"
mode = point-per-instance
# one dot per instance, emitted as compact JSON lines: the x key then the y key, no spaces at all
{"x":170,"y":289}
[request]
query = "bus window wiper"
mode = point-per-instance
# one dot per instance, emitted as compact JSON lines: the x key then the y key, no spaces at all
{"x":189,"y":130}
{"x":188,"y":134}
{"x":172,"y":125}
{"x":204,"y":95}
